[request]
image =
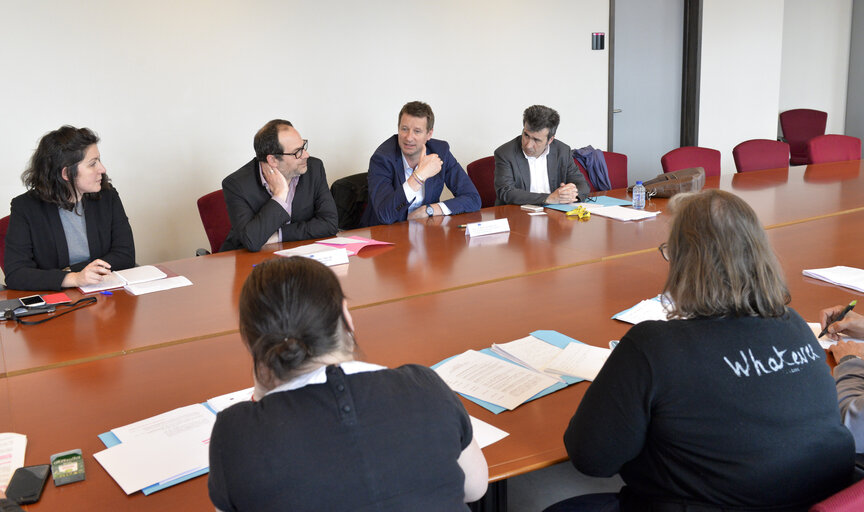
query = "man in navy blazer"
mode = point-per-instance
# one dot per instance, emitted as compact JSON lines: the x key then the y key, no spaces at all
{"x":281,"y":195}
{"x":408,"y":172}
{"x":534,"y":168}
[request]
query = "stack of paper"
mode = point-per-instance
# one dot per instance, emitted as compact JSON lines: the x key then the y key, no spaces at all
{"x":650,"y":309}
{"x":509,"y":374}
{"x":325,"y":254}
{"x":12,"y":448}
{"x":848,"y":277}
{"x":138,"y":281}
{"x":575,"y":360}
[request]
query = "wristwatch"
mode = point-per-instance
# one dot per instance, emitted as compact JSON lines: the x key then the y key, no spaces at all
{"x":429,"y":210}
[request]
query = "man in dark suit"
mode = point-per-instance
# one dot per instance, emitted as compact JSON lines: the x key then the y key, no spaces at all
{"x":534,"y":168}
{"x":408,"y":172}
{"x":281,"y":195}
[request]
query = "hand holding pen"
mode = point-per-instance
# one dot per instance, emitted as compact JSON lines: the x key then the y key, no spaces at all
{"x":841,"y":319}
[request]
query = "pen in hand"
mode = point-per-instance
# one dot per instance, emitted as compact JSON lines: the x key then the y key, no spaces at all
{"x":841,"y":316}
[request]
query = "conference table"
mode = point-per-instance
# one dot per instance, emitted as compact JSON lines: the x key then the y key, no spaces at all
{"x":127,"y":358}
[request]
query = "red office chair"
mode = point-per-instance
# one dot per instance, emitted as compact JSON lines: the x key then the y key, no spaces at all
{"x":757,"y":154}
{"x":214,"y":216}
{"x":616,"y":164}
{"x":482,"y":174}
{"x":850,"y":499}
{"x":692,"y":156}
{"x":833,"y":148}
{"x":799,"y":126}
{"x":4,"y":227}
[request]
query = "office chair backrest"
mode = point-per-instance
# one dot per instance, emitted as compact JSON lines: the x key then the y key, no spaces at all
{"x":756,"y":154}
{"x":850,"y":499}
{"x":833,"y":148}
{"x":214,"y":216}
{"x":692,"y":156}
{"x":799,"y":126}
{"x":482,"y":174}
{"x":351,"y":195}
{"x":4,"y":227}
{"x":616,"y":164}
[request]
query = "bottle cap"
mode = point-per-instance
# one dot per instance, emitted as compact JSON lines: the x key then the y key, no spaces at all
{"x":638,"y":182}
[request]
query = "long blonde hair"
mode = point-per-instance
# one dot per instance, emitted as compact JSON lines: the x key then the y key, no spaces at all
{"x":720,"y":261}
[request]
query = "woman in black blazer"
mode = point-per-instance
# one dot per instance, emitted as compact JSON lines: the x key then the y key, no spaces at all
{"x":69,"y":229}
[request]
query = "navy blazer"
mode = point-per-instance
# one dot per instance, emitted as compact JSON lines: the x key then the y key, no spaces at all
{"x":254,"y":216}
{"x":513,"y":177}
{"x":36,"y":250}
{"x":387,"y":201}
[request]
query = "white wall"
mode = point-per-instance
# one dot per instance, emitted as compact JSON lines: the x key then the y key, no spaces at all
{"x":740,"y":77}
{"x":176,"y":90}
{"x":816,"y":36}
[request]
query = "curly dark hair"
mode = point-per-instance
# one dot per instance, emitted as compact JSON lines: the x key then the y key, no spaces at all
{"x":62,"y":148}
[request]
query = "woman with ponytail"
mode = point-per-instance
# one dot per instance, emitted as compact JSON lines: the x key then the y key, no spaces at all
{"x":326,"y":432}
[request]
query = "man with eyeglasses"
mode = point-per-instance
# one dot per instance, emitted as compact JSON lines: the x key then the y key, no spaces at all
{"x":281,"y":195}
{"x":535,"y":168}
{"x":408,"y":172}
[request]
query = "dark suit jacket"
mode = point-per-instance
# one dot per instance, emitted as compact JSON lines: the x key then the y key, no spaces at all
{"x":254,"y":216}
{"x":513,"y":178}
{"x":387,"y":201}
{"x":36,"y":250}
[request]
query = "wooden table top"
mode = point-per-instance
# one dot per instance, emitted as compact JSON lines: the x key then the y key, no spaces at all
{"x":89,"y":368}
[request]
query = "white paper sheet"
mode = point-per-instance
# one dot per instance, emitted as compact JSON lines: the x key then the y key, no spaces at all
{"x":651,"y":309}
{"x":619,"y":212}
{"x":579,"y":360}
{"x":158,"y":286}
{"x":486,"y":434}
{"x":492,"y":380}
{"x":222,"y":402}
{"x":848,"y":277}
{"x":12,"y":448}
{"x":194,"y":418}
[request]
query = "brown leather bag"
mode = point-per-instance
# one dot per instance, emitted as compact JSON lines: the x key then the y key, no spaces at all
{"x":670,"y":183}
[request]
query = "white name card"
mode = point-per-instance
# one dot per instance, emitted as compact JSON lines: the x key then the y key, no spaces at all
{"x":330,"y":257}
{"x":487,"y":227}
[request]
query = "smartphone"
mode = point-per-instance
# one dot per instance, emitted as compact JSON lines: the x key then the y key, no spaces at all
{"x":27,"y":483}
{"x":33,"y":301}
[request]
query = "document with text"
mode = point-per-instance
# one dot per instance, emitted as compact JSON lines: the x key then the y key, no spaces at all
{"x":491,"y":379}
{"x":579,"y":360}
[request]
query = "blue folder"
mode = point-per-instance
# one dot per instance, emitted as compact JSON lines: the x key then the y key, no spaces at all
{"x":551,"y":337}
{"x":598,"y":200}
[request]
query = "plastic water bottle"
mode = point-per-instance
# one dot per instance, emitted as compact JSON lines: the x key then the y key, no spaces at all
{"x":639,"y":196}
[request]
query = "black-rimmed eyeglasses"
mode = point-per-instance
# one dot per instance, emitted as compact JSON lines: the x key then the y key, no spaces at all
{"x":663,"y":248}
{"x":298,"y":153}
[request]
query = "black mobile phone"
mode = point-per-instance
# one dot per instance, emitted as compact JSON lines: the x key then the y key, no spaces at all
{"x":32,"y":301}
{"x":27,"y":483}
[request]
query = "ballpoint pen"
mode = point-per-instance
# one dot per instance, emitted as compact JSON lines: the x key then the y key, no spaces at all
{"x":841,"y":316}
